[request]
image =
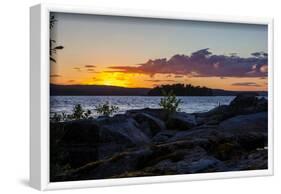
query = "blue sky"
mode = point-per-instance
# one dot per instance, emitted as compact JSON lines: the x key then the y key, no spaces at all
{"x":154,"y":38}
{"x":106,"y":41}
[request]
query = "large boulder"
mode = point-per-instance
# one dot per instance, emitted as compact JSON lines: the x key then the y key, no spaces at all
{"x":149,"y":124}
{"x":187,"y":161}
{"x":73,"y":143}
{"x":181,"y":121}
{"x":157,"y":113}
{"x":196,"y":134}
{"x":249,"y":131}
{"x":244,"y":100}
{"x":182,"y":161}
{"x":245,"y":123}
{"x":123,"y":130}
{"x":257,"y":159}
{"x":112,"y":167}
{"x":163,"y":136}
{"x":247,"y":104}
{"x":262,"y":105}
{"x":91,"y":140}
{"x":222,"y":109}
{"x":243,"y":104}
{"x":204,"y":164}
{"x":79,"y":132}
{"x":214,"y":116}
{"x":119,"y":133}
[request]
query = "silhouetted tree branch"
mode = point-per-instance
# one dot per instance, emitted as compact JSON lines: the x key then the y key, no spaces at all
{"x":53,"y":48}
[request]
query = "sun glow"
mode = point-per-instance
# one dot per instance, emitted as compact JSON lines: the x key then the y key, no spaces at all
{"x":110,"y":79}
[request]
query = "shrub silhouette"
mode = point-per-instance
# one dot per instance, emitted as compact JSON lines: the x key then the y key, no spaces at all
{"x":77,"y":113}
{"x":80,"y":113}
{"x":56,"y":117}
{"x":87,"y":114}
{"x":169,"y":102}
{"x":106,"y":109}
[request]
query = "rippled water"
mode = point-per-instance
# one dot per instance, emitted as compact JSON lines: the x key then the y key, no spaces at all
{"x":190,"y":104}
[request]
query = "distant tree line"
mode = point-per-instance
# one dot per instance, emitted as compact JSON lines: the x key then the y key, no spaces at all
{"x":181,"y":90}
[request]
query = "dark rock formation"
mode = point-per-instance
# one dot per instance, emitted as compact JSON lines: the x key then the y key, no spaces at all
{"x":149,"y":124}
{"x":244,"y":123}
{"x":181,"y":121}
{"x":147,"y":143}
{"x":157,"y":113}
{"x":243,"y":104}
{"x":90,"y":140}
{"x":247,"y":103}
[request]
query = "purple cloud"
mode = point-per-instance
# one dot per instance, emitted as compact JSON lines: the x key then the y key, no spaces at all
{"x":203,"y":63}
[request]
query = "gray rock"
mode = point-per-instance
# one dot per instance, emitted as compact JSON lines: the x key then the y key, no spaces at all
{"x":192,"y":160}
{"x":116,"y":165}
{"x":262,"y":105}
{"x":147,"y":143}
{"x":248,"y":131}
{"x":254,"y":160}
{"x":214,"y":116}
{"x":217,"y":110}
{"x":91,"y":140}
{"x":247,"y":104}
{"x":149,"y":124}
{"x":122,"y":130}
{"x":181,"y":121}
{"x":252,"y":122}
{"x":243,"y":104}
{"x":118,"y":133}
{"x":158,"y":113}
{"x":200,"y":165}
{"x":165,"y":166}
{"x":163,"y":136}
{"x":194,"y":134}
{"x":79,"y":132}
{"x":244,"y":100}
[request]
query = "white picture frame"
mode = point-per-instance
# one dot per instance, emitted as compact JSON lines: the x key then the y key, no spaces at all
{"x":39,"y":102}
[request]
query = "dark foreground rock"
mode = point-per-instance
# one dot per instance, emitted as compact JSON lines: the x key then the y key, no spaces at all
{"x":146,"y":142}
{"x":90,"y":140}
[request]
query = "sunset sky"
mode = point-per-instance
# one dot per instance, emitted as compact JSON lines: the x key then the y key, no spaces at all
{"x":138,"y":52}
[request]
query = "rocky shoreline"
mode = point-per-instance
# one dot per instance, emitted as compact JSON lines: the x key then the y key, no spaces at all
{"x":147,"y":143}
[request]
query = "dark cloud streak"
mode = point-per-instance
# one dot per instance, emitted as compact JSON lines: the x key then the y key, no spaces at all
{"x":157,"y":81}
{"x":77,"y":68}
{"x":90,"y":66}
{"x":55,"y":75}
{"x":246,"y":84}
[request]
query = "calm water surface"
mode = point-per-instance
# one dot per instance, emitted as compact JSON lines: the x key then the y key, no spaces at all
{"x":190,"y":104}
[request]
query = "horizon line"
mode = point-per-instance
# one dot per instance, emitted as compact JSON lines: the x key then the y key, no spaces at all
{"x":154,"y":87}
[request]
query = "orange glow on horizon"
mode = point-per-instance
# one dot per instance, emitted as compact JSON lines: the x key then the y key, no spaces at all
{"x":108,"y":79}
{"x":137,"y":80}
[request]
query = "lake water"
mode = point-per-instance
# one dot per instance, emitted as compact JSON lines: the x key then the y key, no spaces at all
{"x":190,"y":104}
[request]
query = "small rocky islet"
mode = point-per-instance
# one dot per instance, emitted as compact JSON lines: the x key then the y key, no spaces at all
{"x":145,"y":142}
